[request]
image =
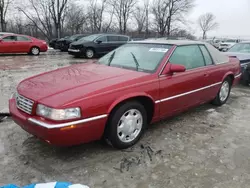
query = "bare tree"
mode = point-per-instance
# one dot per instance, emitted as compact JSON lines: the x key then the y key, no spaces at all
{"x":177,"y":10}
{"x":46,"y":15}
{"x":75,"y":19}
{"x":161,"y":16}
{"x":122,"y":10}
{"x":37,"y":11}
{"x":207,"y":23}
{"x":96,"y":11}
{"x":4,"y":7}
{"x":141,"y":15}
{"x":166,"y":12}
{"x":57,"y":9}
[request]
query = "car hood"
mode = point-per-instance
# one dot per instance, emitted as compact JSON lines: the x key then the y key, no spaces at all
{"x":77,"y":81}
{"x":240,"y":56}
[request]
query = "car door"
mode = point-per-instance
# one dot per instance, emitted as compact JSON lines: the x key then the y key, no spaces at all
{"x":183,"y":90}
{"x":101,"y":45}
{"x":23,"y":44}
{"x":214,"y":74}
{"x":113,"y":41}
{"x":7,"y":44}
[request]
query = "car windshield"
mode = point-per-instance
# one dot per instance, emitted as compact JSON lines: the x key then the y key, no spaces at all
{"x":241,"y":47}
{"x":89,"y":38}
{"x":140,"y":57}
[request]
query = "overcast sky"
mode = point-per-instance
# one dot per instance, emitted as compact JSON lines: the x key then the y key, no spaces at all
{"x":233,"y":17}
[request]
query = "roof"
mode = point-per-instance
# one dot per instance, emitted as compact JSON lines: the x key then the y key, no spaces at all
{"x":245,"y":41}
{"x":173,"y":42}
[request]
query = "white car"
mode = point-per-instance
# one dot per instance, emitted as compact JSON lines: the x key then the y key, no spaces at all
{"x":226,"y":44}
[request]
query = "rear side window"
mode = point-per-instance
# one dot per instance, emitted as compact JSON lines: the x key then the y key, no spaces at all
{"x":206,"y":55}
{"x":9,"y":38}
{"x":123,"y":39}
{"x":113,"y":39}
{"x":22,"y":38}
{"x":103,"y":39}
{"x":189,"y":56}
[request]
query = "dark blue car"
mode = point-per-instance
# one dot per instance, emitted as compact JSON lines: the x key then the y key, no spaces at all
{"x":242,"y":52}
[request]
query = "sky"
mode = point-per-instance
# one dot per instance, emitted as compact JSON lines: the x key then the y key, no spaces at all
{"x":233,"y":17}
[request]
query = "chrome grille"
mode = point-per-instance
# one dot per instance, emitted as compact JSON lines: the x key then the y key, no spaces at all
{"x":24,"y":104}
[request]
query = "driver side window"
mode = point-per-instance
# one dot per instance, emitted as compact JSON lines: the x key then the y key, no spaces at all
{"x":190,"y":56}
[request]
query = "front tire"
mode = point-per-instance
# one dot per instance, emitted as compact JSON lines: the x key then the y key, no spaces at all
{"x":126,"y":125}
{"x":35,"y":51}
{"x":90,"y":53}
{"x":224,"y":92}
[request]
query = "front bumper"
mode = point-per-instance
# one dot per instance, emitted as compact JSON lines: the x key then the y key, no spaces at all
{"x":61,"y":134}
{"x":76,"y":51}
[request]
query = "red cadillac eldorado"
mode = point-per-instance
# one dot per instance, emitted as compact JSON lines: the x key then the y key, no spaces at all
{"x":117,"y":96}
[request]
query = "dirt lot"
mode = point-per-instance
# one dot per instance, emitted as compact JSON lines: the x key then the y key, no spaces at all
{"x":206,"y":147}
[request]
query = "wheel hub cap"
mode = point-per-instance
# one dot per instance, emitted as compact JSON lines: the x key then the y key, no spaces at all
{"x":224,"y":91}
{"x":129,"y":125}
{"x":89,"y":53}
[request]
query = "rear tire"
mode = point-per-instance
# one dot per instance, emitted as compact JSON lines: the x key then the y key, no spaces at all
{"x":224,"y":92}
{"x":126,"y":125}
{"x":35,"y":51}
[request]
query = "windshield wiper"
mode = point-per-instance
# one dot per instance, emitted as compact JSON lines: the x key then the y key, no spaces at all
{"x":136,"y":62}
{"x":111,"y":58}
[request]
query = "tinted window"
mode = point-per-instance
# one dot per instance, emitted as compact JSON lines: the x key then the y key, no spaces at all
{"x":189,"y":56}
{"x":22,"y":38}
{"x":113,"y":38}
{"x":9,"y":38}
{"x":123,"y":39}
{"x":206,"y":55}
{"x":103,"y":39}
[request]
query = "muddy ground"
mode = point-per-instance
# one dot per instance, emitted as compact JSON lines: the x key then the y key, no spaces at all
{"x":207,"y":147}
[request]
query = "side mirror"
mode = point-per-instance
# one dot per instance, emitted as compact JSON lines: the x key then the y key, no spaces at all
{"x":173,"y":68}
{"x":177,"y":68}
{"x":98,"y":41}
{"x":1,"y":40}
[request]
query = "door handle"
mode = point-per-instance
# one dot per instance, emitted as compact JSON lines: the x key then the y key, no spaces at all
{"x":206,"y":74}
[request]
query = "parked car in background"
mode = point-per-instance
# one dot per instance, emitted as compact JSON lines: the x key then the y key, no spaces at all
{"x":214,"y":42}
{"x":59,"y":41}
{"x":242,"y":52}
{"x":117,"y":96}
{"x":52,"y":43}
{"x":5,"y":33}
{"x":137,"y":39}
{"x":64,"y":44}
{"x":98,"y":44}
{"x":226,"y":44}
{"x":13,"y":43}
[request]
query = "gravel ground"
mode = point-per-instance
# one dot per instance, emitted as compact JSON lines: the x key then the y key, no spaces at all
{"x":205,"y":147}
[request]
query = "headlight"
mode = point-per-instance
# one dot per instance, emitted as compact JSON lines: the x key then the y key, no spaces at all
{"x":58,"y":114}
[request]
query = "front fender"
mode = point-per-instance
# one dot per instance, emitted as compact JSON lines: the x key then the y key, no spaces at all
{"x":127,"y":97}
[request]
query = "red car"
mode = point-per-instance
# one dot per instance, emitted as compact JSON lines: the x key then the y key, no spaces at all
{"x":13,"y":43}
{"x":117,"y":96}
